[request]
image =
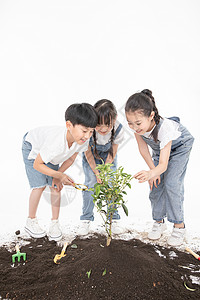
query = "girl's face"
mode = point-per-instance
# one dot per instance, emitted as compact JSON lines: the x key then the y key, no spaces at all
{"x":139,"y":122}
{"x":104,"y":129}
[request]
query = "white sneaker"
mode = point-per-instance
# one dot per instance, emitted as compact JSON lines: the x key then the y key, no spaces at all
{"x":84,"y":227}
{"x":55,"y":233}
{"x":177,"y":237}
{"x":157,"y":231}
{"x":116,"y":228}
{"x":33,"y":228}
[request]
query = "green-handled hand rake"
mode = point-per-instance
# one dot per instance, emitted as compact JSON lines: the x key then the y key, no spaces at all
{"x":18,"y":254}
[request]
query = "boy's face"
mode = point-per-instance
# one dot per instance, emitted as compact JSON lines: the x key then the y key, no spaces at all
{"x":79,"y":133}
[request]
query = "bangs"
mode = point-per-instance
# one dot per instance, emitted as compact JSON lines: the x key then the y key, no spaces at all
{"x":106,"y":112}
{"x":105,"y":119}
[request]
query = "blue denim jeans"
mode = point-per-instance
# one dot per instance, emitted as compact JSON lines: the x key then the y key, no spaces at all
{"x":167,"y":199}
{"x":90,"y":180}
{"x":35,"y":178}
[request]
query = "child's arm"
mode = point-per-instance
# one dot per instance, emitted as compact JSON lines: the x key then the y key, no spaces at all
{"x":67,"y":163}
{"x":42,"y":168}
{"x":90,"y":159}
{"x":143,"y":176}
{"x":144,"y":151}
{"x":110,"y":159}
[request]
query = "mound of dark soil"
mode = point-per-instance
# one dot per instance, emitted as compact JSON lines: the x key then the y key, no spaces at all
{"x":124,"y":270}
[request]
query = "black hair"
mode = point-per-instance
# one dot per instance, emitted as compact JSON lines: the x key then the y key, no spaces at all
{"x":82,"y":114}
{"x":107,"y":114}
{"x":144,"y":101}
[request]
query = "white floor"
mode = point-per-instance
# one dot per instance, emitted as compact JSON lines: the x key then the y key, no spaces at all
{"x":137,"y":224}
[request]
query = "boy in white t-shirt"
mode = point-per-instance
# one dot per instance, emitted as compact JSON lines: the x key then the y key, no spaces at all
{"x":44,"y":149}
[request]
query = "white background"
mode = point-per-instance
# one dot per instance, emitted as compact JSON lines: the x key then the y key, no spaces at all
{"x":55,"y":53}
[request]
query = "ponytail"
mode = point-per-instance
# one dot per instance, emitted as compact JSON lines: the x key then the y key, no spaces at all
{"x":111,"y":140}
{"x":95,"y":145}
{"x":156,"y":116}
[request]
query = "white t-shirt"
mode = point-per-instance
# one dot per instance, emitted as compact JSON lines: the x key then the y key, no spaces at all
{"x":51,"y":143}
{"x":168,"y":131}
{"x":104,"y":139}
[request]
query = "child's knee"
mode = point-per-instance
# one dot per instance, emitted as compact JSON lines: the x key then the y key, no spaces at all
{"x":38,"y":189}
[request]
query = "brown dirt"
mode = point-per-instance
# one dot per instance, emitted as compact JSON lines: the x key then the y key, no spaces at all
{"x":134,"y":270}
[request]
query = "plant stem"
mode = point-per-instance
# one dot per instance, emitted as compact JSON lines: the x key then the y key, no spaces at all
{"x":108,"y":241}
{"x":109,"y":237}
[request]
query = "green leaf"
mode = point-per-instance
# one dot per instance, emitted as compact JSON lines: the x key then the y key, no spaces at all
{"x":99,"y":205}
{"x":112,"y":210}
{"x":104,"y":272}
{"x":74,"y":246}
{"x":125,"y":209}
{"x":129,"y":185}
{"x":89,"y":273}
{"x":102,"y":188}
{"x":97,"y":190}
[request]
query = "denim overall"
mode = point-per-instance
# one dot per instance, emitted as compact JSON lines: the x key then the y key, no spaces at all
{"x":167,"y":198}
{"x":90,"y":178}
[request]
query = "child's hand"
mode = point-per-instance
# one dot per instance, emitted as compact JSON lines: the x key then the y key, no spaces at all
{"x":56,"y":182}
{"x":97,"y":177}
{"x":66,"y":180}
{"x":153,"y":181}
{"x":143,"y":176}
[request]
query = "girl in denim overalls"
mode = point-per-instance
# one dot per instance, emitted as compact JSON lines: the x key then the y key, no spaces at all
{"x":103,"y":145}
{"x":171,"y":144}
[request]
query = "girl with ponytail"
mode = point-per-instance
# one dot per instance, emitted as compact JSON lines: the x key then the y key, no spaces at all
{"x":103,"y":145}
{"x":171,"y":144}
